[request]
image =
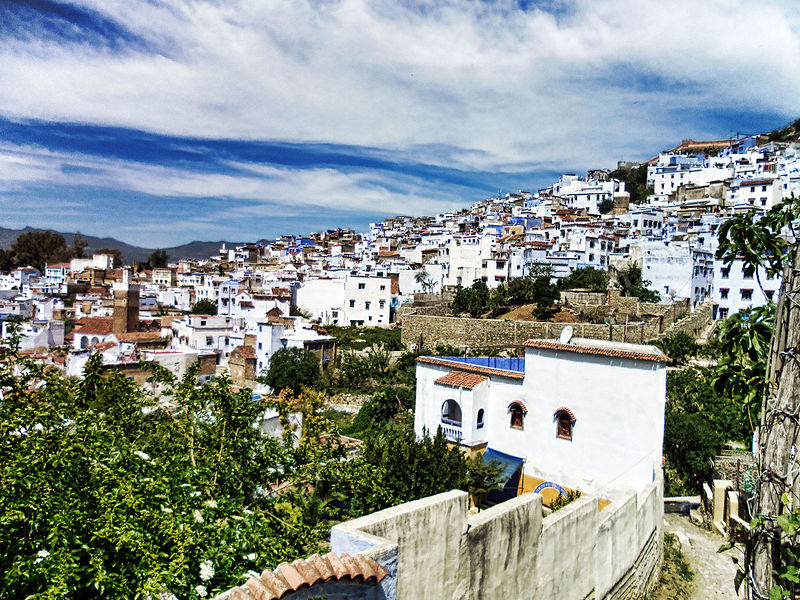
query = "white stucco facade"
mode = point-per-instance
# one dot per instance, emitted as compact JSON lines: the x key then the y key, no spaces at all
{"x":614,"y":391}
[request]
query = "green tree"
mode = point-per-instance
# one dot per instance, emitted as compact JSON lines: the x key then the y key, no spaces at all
{"x":630,"y":283}
{"x":520,"y":290}
{"x":204,"y":306}
{"x":680,"y":347}
{"x":291,"y":368}
{"x":158,"y":259}
{"x":402,"y":468}
{"x":586,"y":278}
{"x":38,"y":248}
{"x":473,"y":300}
{"x":606,"y":206}
{"x":635,"y":179}
{"x":544,"y":293}
{"x":6,"y":260}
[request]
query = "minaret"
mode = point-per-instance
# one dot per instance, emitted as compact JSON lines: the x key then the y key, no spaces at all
{"x":126,"y":306}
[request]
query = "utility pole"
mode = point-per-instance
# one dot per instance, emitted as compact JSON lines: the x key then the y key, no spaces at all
{"x":778,"y":461}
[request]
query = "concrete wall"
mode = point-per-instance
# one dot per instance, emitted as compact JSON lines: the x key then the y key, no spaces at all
{"x":433,"y":548}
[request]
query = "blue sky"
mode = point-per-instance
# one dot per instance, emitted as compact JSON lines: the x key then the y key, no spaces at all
{"x":164,"y":121}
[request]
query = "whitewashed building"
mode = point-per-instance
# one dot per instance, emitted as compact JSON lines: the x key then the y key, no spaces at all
{"x":585,"y":415}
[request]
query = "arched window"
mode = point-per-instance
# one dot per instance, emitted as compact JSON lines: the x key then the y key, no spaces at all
{"x":85,"y":342}
{"x":517,"y":412}
{"x":565,"y":421}
{"x":480,"y":419}
{"x":451,"y":413}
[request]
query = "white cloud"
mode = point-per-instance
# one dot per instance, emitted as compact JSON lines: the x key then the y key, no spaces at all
{"x":506,"y":87}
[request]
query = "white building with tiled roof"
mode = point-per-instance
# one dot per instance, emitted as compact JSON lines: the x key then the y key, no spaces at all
{"x":585,"y":415}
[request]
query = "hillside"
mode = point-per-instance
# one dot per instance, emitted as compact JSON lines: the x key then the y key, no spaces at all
{"x":790,"y":133}
{"x":130,"y":252}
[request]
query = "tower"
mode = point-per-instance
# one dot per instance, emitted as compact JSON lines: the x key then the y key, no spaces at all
{"x":126,"y":306}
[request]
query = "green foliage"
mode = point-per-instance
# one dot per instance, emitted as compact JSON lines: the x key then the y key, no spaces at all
{"x":635,"y":179}
{"x":560,"y":501}
{"x":698,"y":422}
{"x":675,"y":581}
{"x":204,"y":306}
{"x":606,"y":206}
{"x":373,"y":364}
{"x":630,"y":283}
{"x":377,"y":411}
{"x":741,"y":371}
{"x":787,"y":572}
{"x":397,"y":467}
{"x":158,"y":259}
{"x":101,"y":499}
{"x":587,"y":278}
{"x":359,"y":338}
{"x":520,"y":290}
{"x":680,"y":347}
{"x":291,"y":368}
{"x":786,"y":134}
{"x":39,"y":248}
{"x":483,"y":478}
{"x":109,"y":492}
{"x":473,"y":300}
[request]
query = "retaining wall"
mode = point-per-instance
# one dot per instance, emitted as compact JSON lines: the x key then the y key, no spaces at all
{"x":433,"y":330}
{"x":494,"y":333}
{"x":433,"y":548}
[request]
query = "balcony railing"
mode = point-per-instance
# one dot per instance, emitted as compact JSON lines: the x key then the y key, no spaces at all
{"x":453,"y":434}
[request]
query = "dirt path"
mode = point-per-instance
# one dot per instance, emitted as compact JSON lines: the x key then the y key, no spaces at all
{"x":714,"y":572}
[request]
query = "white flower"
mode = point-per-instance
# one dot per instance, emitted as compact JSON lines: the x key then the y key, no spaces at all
{"x":198,"y":516}
{"x":201,"y":591}
{"x":250,"y":574}
{"x":194,"y":494}
{"x":251,"y":556}
{"x":165,"y":509}
{"x":211,"y":504}
{"x":206,"y":570}
{"x":42,"y":554}
{"x":142,"y":455}
{"x":167,"y":596}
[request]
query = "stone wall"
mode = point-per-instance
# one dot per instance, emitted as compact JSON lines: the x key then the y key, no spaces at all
{"x":695,"y":324}
{"x":660,"y":320}
{"x":434,"y":548}
{"x":494,"y":333}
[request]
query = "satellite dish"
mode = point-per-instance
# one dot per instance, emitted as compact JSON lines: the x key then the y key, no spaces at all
{"x":566,"y":335}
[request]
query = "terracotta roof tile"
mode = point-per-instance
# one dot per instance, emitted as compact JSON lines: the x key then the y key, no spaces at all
{"x":745,"y":183}
{"x":293,"y":578}
{"x":431,"y":360}
{"x":140,"y":336}
{"x":273,"y":585}
{"x":461,"y":379}
{"x":99,"y":325}
{"x":245,"y":351}
{"x":599,"y":351}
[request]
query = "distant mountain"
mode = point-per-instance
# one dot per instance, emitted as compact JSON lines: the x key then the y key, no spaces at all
{"x":130,"y":253}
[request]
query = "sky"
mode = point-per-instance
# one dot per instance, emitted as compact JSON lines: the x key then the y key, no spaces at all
{"x":159,"y":122}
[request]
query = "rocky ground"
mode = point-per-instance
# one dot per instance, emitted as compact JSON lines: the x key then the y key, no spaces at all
{"x":714,"y":572}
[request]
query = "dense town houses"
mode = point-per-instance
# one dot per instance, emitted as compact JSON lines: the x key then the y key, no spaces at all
{"x":283,"y":293}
